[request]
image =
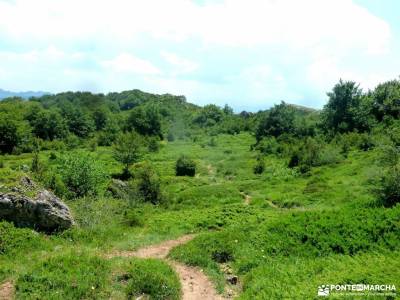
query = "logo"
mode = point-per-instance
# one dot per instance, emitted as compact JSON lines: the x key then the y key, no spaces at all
{"x":323,"y":290}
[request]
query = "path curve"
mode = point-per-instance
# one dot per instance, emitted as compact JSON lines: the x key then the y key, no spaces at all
{"x":6,"y":291}
{"x":195,"y":284}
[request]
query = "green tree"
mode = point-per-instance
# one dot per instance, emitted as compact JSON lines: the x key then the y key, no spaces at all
{"x":48,"y":125}
{"x":347,"y":109}
{"x":79,"y":122}
{"x":146,"y":121}
{"x":386,"y":100}
{"x":128,"y":150}
{"x":278,"y":120}
{"x":10,"y":136}
{"x":209,"y":116}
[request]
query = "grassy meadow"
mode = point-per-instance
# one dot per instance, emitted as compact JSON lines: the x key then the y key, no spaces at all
{"x":281,"y":232}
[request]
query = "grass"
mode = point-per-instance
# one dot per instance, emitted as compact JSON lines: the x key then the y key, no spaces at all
{"x":153,"y":278}
{"x":298,"y":232}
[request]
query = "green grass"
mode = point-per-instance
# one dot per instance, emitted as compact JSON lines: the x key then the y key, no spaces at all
{"x":153,"y":278}
{"x":298,"y":232}
{"x":67,"y":276}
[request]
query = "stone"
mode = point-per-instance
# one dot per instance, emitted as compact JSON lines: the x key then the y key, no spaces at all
{"x":46,"y":212}
{"x":232,"y":280}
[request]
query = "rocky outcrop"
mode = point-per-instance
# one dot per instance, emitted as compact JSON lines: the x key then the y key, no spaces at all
{"x":45,"y":212}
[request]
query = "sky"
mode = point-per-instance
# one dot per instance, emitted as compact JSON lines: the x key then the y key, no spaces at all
{"x":249,"y":54}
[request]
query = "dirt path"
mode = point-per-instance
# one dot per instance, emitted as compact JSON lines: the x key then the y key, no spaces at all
{"x":195,"y":284}
{"x":6,"y":291}
{"x":246,"y":197}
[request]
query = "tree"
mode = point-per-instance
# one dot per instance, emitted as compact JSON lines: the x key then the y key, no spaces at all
{"x":346,"y":109}
{"x":146,"y":121}
{"x":10,"y":136}
{"x":48,"y":125}
{"x":79,"y":122}
{"x":386,"y":100}
{"x":278,"y":120}
{"x":209,"y":116}
{"x":100,"y":117}
{"x":127,"y":150}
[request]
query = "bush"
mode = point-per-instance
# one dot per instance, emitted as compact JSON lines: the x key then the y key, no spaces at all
{"x":147,"y":184}
{"x":259,"y":166}
{"x":170,"y":137}
{"x":71,"y":276}
{"x":388,"y":189}
{"x":82,"y":175}
{"x":153,"y":145}
{"x":154,"y":278}
{"x":13,"y":240}
{"x":185,"y":167}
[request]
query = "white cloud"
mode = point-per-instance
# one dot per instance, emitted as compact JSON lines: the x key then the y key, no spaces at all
{"x":181,"y":65}
{"x":125,"y":62}
{"x":64,"y":41}
{"x":300,"y":24}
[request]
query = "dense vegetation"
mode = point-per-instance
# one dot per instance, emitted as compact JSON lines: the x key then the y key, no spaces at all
{"x":288,"y":198}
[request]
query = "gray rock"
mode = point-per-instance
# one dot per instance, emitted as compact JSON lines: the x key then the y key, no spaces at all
{"x":46,"y":212}
{"x":118,"y":188}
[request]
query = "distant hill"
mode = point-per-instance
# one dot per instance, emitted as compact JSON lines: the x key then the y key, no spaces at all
{"x":25,"y":95}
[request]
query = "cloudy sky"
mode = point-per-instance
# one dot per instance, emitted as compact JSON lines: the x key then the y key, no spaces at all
{"x":248,"y":53}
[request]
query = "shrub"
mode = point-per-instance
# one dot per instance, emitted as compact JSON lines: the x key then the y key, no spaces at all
{"x":388,"y":189}
{"x":154,"y":278}
{"x":185,"y":167}
{"x":153,"y":145}
{"x":2,"y":164}
{"x":82,"y":175}
{"x":147,"y":184}
{"x":52,"y":156}
{"x":259,"y":166}
{"x":389,"y":155}
{"x":170,"y":137}
{"x":14,"y":239}
{"x":68,"y":276}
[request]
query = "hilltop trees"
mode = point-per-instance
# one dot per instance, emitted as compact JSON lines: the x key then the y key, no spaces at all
{"x":278,"y":120}
{"x":347,"y":109}
{"x":146,"y":121}
{"x":386,"y":100}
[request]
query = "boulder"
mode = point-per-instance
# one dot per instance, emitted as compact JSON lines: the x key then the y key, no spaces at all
{"x":118,"y":188}
{"x":45,"y":212}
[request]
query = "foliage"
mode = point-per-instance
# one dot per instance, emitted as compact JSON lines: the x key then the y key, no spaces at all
{"x":388,"y":189}
{"x":154,"y":278}
{"x":278,"y":120}
{"x":10,"y":135}
{"x":259,"y":167}
{"x":386,"y":100}
{"x":13,"y":239}
{"x":347,"y":109}
{"x":82,"y":175}
{"x":185,"y":166}
{"x":147,"y":184}
{"x":146,"y":121}
{"x":68,"y":276}
{"x":127,"y":149}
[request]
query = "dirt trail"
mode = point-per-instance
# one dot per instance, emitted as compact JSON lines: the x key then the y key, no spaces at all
{"x":246,"y":197}
{"x":195,"y":284}
{"x":6,"y":291}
